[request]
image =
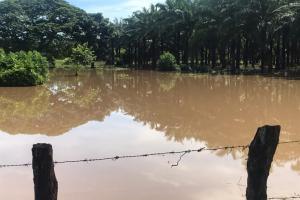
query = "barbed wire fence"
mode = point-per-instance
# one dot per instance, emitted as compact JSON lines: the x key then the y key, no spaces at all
{"x":120,"y":157}
{"x":181,"y":154}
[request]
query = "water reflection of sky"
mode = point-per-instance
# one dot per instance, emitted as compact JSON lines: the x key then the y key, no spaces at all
{"x":199,"y":176}
{"x":121,"y":112}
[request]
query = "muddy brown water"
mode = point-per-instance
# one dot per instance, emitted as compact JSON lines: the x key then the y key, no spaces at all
{"x":117,"y":112}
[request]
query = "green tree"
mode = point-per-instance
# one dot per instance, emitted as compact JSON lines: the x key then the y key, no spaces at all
{"x":51,"y":27}
{"x":81,"y":56}
{"x":226,"y":34}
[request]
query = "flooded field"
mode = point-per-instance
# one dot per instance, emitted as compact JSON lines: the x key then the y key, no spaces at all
{"x":119,"y":112}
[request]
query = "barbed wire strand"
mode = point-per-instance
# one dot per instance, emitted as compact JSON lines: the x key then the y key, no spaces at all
{"x":296,"y":196}
{"x":114,"y":158}
{"x":182,"y":154}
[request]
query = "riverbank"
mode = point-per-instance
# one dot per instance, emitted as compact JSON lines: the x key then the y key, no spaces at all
{"x":286,"y":73}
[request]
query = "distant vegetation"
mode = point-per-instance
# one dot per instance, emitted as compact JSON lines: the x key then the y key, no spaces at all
{"x":224,"y":34}
{"x":81,"y":55}
{"x":52,"y":27}
{"x":22,"y":69}
{"x":228,"y":35}
{"x":167,"y":62}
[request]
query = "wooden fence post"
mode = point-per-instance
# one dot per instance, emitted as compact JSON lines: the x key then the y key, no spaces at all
{"x":45,"y":183}
{"x":260,"y":157}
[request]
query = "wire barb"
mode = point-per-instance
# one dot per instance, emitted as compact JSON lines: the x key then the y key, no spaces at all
{"x":115,"y":158}
{"x":180,"y":158}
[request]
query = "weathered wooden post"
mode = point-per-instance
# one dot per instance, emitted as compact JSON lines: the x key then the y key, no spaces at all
{"x":260,"y":157}
{"x":45,"y":183}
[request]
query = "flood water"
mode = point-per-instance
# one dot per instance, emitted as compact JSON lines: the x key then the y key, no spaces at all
{"x":119,"y":112}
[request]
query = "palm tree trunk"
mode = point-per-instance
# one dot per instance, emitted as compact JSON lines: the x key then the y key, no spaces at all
{"x":186,"y":51}
{"x":271,"y":43}
{"x":222,"y":56}
{"x":288,"y":53}
{"x":293,"y":52}
{"x":213,"y":57}
{"x":206,"y":56}
{"x":283,"y":50}
{"x":238,"y":53}
{"x":246,"y":53}
{"x":112,"y":52}
{"x":153,"y":53}
{"x":197,"y":56}
{"x":177,"y":41}
{"x":136,"y":55}
{"x":144,"y":57}
{"x":232,"y":56}
{"x":297,"y":52}
{"x":263,"y":48}
{"x":252,"y":54}
{"x":202,"y":57}
{"x":277,"y":65}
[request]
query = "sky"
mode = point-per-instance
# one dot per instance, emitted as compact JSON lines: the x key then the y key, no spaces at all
{"x":113,"y":8}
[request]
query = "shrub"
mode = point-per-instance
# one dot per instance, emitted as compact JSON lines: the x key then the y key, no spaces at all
{"x":23,"y":69}
{"x":167,"y":62}
{"x":82,"y":55}
{"x":67,"y":61}
{"x":2,"y":53}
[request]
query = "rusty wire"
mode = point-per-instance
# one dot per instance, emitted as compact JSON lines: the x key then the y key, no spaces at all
{"x":114,"y":158}
{"x":181,"y":153}
{"x":296,"y":196}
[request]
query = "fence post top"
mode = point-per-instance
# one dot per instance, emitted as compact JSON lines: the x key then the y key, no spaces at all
{"x":42,"y":145}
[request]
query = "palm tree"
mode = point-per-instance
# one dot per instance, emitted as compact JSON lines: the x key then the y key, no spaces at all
{"x":215,"y":33}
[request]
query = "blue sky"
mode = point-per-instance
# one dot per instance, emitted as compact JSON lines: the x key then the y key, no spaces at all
{"x":113,"y":8}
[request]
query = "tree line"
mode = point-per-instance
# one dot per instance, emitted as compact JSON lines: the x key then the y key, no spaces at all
{"x":216,"y":33}
{"x":223,"y":34}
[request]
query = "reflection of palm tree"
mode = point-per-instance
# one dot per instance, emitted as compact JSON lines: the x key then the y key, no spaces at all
{"x":217,"y":110}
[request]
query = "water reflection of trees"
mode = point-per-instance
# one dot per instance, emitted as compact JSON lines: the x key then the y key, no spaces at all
{"x":218,"y":110}
{"x":54,"y":109}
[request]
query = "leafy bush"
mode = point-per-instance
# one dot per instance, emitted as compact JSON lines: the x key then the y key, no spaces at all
{"x":2,"y":53}
{"x":167,"y":62}
{"x":82,"y":55}
{"x":67,"y":61}
{"x":23,"y":69}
